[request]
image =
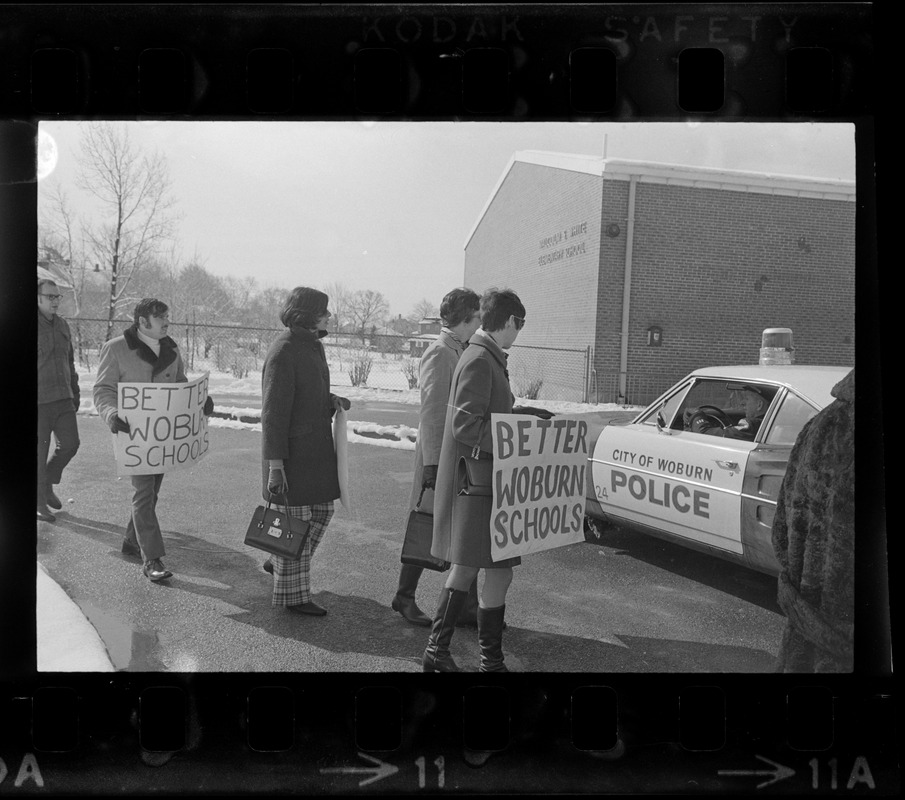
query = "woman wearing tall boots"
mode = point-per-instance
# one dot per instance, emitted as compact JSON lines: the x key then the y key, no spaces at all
{"x":480,"y":388}
{"x":460,"y":313}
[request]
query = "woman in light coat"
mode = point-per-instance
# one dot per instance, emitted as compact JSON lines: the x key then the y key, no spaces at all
{"x":460,"y":312}
{"x":462,"y":522}
{"x":298,"y":454}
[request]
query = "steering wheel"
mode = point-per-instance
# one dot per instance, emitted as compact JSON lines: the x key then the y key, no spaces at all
{"x":714,"y":413}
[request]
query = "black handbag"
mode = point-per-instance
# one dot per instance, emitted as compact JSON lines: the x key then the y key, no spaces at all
{"x":474,"y":477}
{"x":419,"y":533}
{"x":276,"y":532}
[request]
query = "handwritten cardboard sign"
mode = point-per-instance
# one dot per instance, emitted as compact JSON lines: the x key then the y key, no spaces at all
{"x":539,"y":474}
{"x":168,"y":429}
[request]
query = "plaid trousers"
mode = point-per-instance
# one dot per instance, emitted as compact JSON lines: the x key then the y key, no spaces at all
{"x":291,"y":577}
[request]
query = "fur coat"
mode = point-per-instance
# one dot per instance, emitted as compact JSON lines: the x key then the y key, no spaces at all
{"x":814,"y":541}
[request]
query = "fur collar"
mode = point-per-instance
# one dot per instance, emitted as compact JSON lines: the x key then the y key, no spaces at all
{"x":168,"y":349}
{"x":845,"y":389}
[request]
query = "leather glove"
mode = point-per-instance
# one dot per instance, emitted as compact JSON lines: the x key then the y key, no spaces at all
{"x":118,"y":425}
{"x":276,"y":481}
{"x":429,"y":477}
{"x":341,"y":403}
{"x":208,"y":406}
{"x":537,"y":412}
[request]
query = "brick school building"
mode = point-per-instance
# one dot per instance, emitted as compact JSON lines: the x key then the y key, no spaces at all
{"x":652,"y":270}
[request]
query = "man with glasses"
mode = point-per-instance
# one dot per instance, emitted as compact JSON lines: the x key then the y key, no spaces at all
{"x":58,"y":398}
{"x":143,"y":354}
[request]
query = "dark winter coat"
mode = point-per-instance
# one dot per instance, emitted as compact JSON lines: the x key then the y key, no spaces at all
{"x":57,"y":378}
{"x":480,"y":388}
{"x":127,"y":359}
{"x":438,"y":363}
{"x":296,"y":418}
{"x":814,"y":540}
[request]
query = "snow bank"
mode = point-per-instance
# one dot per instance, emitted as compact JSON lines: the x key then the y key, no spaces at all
{"x":67,"y":641}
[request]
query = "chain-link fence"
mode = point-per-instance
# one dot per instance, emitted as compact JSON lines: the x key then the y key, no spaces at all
{"x":640,"y":389}
{"x":218,"y":348}
{"x":549,"y":373}
{"x":379,"y":361}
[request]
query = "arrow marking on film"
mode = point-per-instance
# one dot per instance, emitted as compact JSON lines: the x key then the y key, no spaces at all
{"x":778,"y":773}
{"x":378,"y":772}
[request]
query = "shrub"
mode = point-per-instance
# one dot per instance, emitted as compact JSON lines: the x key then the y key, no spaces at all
{"x":360,"y":368}
{"x":529,"y":388}
{"x":238,"y":365}
{"x":411,"y":371}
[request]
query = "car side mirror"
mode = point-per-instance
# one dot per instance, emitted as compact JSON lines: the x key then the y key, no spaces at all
{"x":661,"y":423}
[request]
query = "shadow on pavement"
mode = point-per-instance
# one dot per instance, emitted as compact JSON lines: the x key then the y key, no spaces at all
{"x":741,"y":582}
{"x":359,"y":625}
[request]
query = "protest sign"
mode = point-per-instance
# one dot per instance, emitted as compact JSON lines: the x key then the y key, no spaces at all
{"x":167,"y":426}
{"x":539,"y":473}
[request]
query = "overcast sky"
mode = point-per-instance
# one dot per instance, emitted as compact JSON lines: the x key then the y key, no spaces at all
{"x":387,"y":206}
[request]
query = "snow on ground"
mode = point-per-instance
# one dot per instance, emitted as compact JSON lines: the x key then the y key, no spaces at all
{"x":223,"y":385}
{"x":66,"y":640}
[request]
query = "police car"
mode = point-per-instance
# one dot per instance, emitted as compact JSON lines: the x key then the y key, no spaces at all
{"x":694,"y":469}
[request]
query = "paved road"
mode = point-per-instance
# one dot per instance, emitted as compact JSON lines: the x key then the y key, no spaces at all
{"x":629,"y":604}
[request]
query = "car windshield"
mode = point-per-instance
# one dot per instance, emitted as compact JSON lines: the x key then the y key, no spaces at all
{"x":668,"y":406}
{"x":725,"y":400}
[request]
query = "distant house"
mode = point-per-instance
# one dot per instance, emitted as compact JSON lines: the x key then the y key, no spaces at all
{"x":388,"y":341}
{"x":428,"y":331}
{"x":54,"y":267}
{"x":91,"y":285}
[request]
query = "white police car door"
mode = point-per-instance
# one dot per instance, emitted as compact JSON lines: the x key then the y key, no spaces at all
{"x":682,"y":483}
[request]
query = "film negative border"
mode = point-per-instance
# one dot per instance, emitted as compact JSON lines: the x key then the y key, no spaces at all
{"x":539,"y":733}
{"x":578,"y":734}
{"x":512,"y":62}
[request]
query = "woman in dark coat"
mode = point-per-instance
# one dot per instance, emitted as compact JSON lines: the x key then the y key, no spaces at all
{"x":299,"y":457}
{"x":480,"y":388}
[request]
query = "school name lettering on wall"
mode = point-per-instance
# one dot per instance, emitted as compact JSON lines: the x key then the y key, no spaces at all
{"x":168,"y":428}
{"x":540,"y":468}
{"x":561,"y":237}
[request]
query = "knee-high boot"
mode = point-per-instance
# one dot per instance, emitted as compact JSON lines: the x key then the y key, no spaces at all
{"x":490,"y":637}
{"x":436,"y":656}
{"x":468,"y":616}
{"x":404,"y":601}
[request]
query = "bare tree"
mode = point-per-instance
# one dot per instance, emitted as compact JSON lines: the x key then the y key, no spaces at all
{"x":340,"y":300}
{"x":201,"y":299}
{"x":366,"y":309}
{"x":61,"y":243}
{"x":135,"y":206}
{"x":242,"y":292}
{"x":423,"y":308}
{"x":267,"y":304}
